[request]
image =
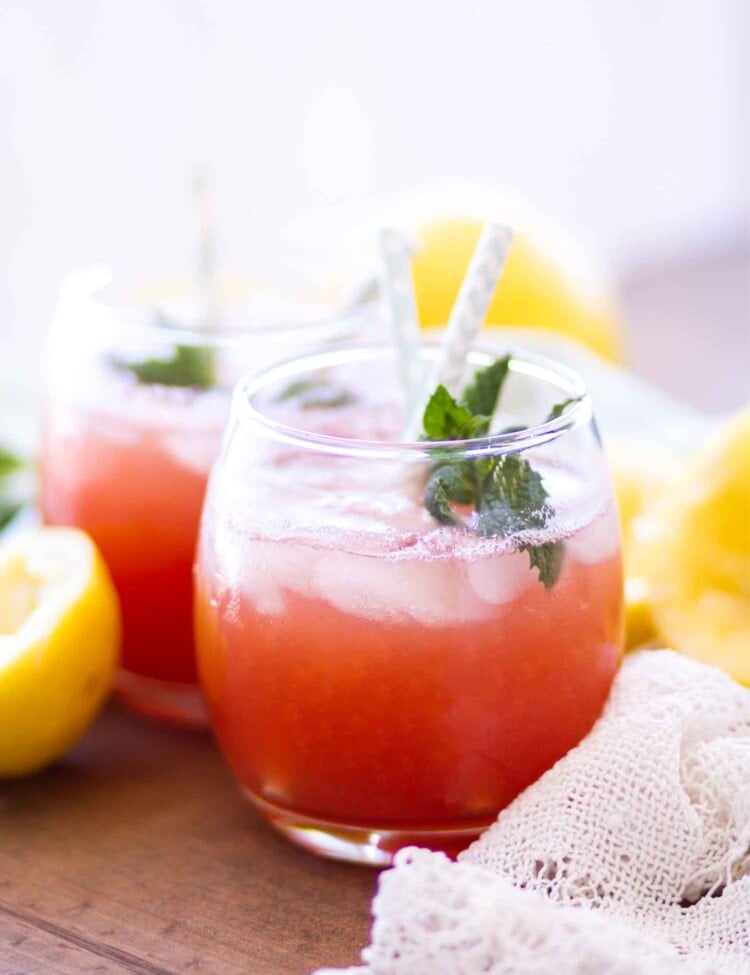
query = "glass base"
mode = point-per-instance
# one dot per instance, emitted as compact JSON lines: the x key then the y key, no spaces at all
{"x":163,"y":700}
{"x":371,"y":846}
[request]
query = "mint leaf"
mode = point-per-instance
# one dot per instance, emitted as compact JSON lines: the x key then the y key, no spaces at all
{"x":316,"y":394}
{"x":438,"y":502}
{"x":450,"y":483}
{"x":548,"y":559}
{"x":445,"y":419}
{"x":559,"y":408}
{"x":295,"y":388}
{"x":482,"y":395}
{"x":512,"y":483}
{"x":507,"y":494}
{"x":514,"y":500}
{"x":189,"y":365}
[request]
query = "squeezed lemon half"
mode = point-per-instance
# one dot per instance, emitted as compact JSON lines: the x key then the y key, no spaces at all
{"x":692,"y":549}
{"x":59,"y":644}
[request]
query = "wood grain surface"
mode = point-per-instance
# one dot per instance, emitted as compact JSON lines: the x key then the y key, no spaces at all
{"x":137,"y":854}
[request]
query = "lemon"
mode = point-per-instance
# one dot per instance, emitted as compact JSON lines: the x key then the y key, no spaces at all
{"x":59,"y":643}
{"x":547,"y":281}
{"x":693,"y":548}
{"x":642,"y":474}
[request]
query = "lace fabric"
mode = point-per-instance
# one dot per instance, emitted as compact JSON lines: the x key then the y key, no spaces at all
{"x":630,"y":857}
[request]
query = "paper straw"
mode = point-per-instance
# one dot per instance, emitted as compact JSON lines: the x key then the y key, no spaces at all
{"x":401,"y":307}
{"x":466,"y":318}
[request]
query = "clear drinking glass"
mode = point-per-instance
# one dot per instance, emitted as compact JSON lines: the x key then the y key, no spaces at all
{"x":135,"y":411}
{"x":376,"y":678}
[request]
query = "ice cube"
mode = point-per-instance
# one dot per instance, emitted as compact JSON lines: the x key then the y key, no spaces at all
{"x":242,"y":566}
{"x":500,"y":578}
{"x":385,"y":588}
{"x":598,"y":540}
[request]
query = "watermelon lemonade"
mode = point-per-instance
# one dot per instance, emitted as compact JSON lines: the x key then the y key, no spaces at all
{"x":136,"y":408}
{"x":130,"y":467}
{"x":383,"y":668}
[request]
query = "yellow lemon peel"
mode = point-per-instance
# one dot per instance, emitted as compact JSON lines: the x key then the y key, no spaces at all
{"x":693,"y":548}
{"x":59,"y":644}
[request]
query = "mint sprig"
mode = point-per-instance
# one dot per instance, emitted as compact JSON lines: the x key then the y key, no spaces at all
{"x":445,"y":419}
{"x":508,"y":496}
{"x":188,"y":366}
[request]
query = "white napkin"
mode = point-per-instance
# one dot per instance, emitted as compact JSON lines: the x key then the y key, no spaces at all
{"x":630,"y":857}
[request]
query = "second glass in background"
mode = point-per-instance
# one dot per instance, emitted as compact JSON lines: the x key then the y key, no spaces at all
{"x":137,"y":400}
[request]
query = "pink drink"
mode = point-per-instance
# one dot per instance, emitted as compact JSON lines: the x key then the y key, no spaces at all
{"x":135,"y":413}
{"x":374,"y":678}
{"x":131,"y":469}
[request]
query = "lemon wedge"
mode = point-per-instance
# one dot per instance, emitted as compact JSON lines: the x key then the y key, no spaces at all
{"x":59,"y":644}
{"x":693,"y":552}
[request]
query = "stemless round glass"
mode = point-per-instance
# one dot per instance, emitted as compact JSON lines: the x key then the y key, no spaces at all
{"x":135,"y":412}
{"x":377,"y":678}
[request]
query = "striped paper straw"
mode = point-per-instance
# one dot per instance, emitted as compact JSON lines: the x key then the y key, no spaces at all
{"x":401,"y":307}
{"x":466,"y":318}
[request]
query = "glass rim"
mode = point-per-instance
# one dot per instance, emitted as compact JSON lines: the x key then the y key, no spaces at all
{"x":197,"y":334}
{"x":142,"y":319}
{"x":574,"y":414}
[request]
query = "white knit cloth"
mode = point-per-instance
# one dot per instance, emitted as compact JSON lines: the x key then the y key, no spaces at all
{"x":630,"y":857}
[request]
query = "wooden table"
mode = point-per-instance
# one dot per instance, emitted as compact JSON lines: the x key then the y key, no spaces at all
{"x":136,"y":854}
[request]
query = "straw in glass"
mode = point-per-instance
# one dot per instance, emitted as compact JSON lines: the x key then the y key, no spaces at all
{"x":466,"y":319}
{"x":400,"y":305}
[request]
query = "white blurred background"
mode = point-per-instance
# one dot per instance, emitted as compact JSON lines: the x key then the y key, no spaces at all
{"x":627,"y":118}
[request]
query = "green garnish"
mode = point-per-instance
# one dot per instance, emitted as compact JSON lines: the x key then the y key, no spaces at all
{"x":316,"y":394}
{"x":559,"y":408}
{"x":9,"y":505}
{"x":513,"y":499}
{"x":507,"y":494}
{"x":484,"y":392}
{"x":189,"y":365}
{"x":9,"y":463}
{"x":445,"y":419}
